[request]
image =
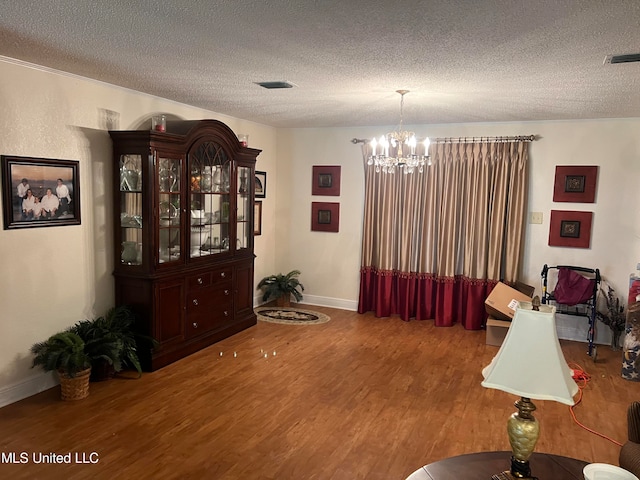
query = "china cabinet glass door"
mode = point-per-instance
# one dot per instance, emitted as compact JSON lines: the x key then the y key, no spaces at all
{"x":209,"y":188}
{"x":131,"y":209}
{"x":243,"y":203}
{"x":169,"y":208}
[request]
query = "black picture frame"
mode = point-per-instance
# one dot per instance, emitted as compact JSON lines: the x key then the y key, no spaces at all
{"x":41,"y":174}
{"x":261,"y":184}
{"x":325,"y":180}
{"x":324,"y":217}
{"x":570,"y":228}
{"x":574,"y":183}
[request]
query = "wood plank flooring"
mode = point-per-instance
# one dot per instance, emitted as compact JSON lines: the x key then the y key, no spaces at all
{"x":355,"y":398}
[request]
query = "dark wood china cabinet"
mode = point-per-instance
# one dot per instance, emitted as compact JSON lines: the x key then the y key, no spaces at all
{"x":183,"y":216}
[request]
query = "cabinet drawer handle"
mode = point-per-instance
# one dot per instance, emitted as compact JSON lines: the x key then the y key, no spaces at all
{"x":223,"y":275}
{"x":226,"y":314}
{"x":226,"y":292}
{"x":199,"y":280}
{"x":195,"y":324}
{"x":195,"y":301}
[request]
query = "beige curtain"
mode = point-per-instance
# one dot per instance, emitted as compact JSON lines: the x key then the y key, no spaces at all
{"x":435,"y":243}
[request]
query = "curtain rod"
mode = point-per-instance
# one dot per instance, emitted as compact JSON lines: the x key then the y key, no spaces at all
{"x":517,"y":138}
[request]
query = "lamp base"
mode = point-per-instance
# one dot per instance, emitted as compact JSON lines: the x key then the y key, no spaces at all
{"x":519,"y":471}
{"x":507,"y":476}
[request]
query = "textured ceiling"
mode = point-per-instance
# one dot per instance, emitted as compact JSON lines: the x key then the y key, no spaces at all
{"x":463,"y":61}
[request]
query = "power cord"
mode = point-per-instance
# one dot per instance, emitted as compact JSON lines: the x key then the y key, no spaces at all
{"x":581,"y":378}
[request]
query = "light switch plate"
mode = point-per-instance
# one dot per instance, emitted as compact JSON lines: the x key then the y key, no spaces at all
{"x":536,"y":217}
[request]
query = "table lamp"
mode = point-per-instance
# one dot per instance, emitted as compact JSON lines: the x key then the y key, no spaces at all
{"x":529,"y":364}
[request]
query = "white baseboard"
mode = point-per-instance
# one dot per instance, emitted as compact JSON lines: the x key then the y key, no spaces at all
{"x":340,"y":303}
{"x":25,"y":388}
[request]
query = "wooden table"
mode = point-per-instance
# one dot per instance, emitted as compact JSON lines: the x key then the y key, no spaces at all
{"x":480,"y":466}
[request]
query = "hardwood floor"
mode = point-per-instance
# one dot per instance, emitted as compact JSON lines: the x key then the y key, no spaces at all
{"x":355,"y":398}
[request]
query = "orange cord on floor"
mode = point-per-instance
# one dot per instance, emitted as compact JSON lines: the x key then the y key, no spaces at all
{"x":581,"y":377}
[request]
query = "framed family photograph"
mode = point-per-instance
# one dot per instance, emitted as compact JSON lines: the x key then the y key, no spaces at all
{"x":40,"y":192}
{"x":261,"y":184}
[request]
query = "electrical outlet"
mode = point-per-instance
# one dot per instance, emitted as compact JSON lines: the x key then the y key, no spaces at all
{"x":536,"y":217}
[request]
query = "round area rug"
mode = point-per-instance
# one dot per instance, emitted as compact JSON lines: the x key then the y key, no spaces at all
{"x":290,"y":315}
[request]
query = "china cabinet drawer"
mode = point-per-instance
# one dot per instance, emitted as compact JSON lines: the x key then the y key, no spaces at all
{"x":202,"y":280}
{"x":207,"y":310}
{"x":205,"y":298}
{"x":207,"y":279}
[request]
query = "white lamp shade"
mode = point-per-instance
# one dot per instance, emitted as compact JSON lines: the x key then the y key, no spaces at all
{"x":530,"y":362}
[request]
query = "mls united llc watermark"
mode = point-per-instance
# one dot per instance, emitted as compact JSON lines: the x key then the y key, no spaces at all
{"x":52,"y":457}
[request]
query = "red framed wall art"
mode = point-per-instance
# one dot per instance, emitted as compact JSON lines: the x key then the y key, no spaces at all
{"x":575,"y":184}
{"x":325,"y":216}
{"x":326,"y":180}
{"x":570,"y":229}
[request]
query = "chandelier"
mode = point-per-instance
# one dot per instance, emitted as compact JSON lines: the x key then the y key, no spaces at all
{"x":399,"y":149}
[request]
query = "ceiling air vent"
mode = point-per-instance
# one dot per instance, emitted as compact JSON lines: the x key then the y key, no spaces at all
{"x":272,"y":85}
{"x":628,"y":58}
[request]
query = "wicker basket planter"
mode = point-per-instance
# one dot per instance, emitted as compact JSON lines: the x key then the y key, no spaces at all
{"x":75,"y":388}
{"x":283,"y":300}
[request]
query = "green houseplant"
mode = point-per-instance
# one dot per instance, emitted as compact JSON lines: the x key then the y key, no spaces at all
{"x":281,"y":287}
{"x":110,"y":342}
{"x":102,"y":347}
{"x":64,"y":353}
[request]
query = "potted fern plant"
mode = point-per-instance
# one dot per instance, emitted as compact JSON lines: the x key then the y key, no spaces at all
{"x":110,"y":342}
{"x":64,"y":353}
{"x":281,"y":287}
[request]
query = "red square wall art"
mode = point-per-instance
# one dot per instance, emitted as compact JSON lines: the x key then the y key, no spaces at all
{"x":326,"y":180}
{"x":575,"y":184}
{"x":570,"y":229}
{"x":325,"y":216}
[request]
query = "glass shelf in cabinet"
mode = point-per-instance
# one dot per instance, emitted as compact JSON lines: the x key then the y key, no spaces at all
{"x":130,"y":221}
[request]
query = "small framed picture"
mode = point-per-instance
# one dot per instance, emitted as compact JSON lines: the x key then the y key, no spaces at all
{"x":257,"y":218}
{"x":40,"y":192}
{"x":326,"y":180}
{"x":325,"y":216}
{"x":570,"y":229}
{"x":261,"y":184}
{"x":575,"y":183}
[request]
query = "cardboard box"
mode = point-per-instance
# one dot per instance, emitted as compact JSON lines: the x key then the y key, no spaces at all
{"x":496,"y":331}
{"x":524,"y":288}
{"x":503,"y":300}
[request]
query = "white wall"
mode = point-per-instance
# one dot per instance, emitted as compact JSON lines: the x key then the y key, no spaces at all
{"x":330,"y":261}
{"x":54,"y":276}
